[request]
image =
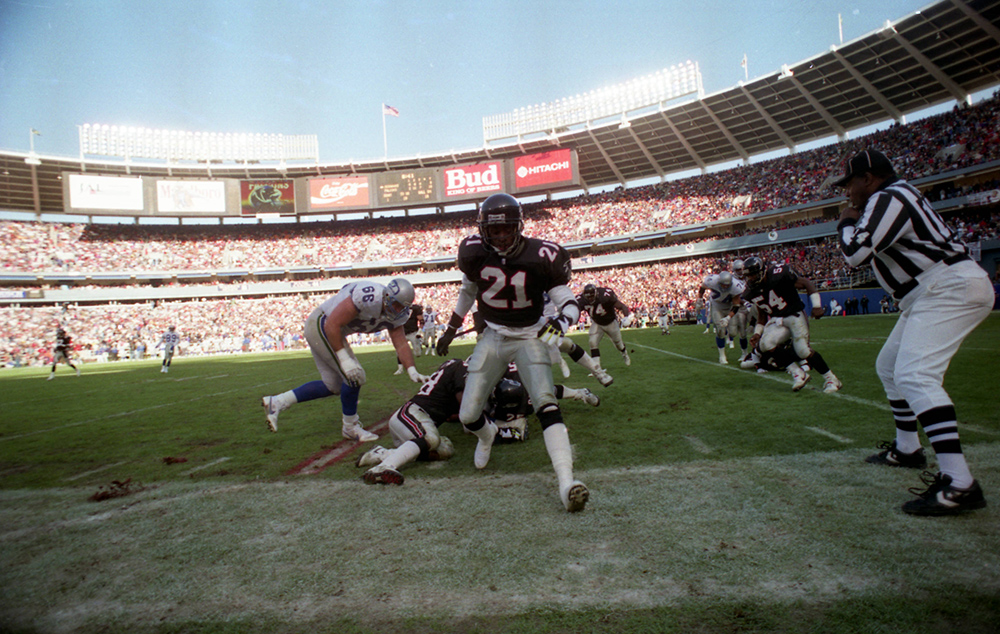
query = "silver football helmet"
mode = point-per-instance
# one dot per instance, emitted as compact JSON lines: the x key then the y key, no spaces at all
{"x":738,"y":267}
{"x":725,"y":280}
{"x":398,"y":298}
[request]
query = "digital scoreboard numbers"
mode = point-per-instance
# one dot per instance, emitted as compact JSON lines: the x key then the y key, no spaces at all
{"x":410,"y":187}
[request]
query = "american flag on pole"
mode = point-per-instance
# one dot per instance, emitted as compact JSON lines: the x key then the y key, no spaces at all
{"x":389,"y":110}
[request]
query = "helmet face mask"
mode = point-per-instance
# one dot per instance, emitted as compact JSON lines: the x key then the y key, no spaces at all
{"x":738,"y":267}
{"x":589,"y":292}
{"x":501,"y":223}
{"x":398,"y":298}
{"x":753,"y":268}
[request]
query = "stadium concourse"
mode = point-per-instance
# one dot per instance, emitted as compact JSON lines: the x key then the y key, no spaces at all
{"x":953,"y":156}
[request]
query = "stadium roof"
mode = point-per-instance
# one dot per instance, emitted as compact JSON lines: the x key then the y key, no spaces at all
{"x":941,"y":53}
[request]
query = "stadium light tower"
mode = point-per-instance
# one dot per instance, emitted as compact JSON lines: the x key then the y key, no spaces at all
{"x":612,"y":101}
{"x":206,"y":147}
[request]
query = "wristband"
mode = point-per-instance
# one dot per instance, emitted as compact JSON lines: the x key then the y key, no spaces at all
{"x":816,"y":301}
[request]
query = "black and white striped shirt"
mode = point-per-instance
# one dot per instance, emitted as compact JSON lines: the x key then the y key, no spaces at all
{"x":902,"y":235}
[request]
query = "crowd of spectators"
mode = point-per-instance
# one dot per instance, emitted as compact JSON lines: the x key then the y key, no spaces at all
{"x":965,"y":136}
{"x":121,"y":331}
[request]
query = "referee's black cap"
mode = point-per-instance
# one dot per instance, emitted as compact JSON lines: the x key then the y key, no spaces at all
{"x":867,"y":161}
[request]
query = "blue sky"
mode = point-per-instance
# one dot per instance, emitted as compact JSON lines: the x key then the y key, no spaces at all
{"x":325,"y":68}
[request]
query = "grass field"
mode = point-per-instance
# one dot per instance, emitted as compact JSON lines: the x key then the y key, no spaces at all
{"x":720,"y":502}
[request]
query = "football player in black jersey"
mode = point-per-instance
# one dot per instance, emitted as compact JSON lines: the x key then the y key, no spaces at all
{"x":507,"y":275}
{"x":61,"y":352}
{"x":603,"y":306}
{"x":414,"y":427}
{"x":781,"y":316}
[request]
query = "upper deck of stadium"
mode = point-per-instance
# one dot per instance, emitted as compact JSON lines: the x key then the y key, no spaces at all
{"x":944,"y":52}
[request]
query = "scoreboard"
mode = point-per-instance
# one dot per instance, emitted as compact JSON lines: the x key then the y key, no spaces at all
{"x":407,"y":187}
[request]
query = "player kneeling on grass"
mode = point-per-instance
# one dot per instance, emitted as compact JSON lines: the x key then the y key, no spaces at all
{"x":414,"y":426}
{"x":362,"y":306}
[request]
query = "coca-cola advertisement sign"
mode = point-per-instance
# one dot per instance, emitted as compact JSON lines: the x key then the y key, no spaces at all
{"x":336,"y":193}
{"x":465,"y":180}
{"x":547,"y":168}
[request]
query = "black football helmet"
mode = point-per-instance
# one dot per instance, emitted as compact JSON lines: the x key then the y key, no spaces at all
{"x":589,"y":293}
{"x":501,"y":222}
{"x":753,"y":269}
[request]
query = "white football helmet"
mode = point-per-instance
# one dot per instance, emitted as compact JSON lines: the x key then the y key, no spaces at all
{"x":738,"y":267}
{"x":725,"y":280}
{"x":398,"y":298}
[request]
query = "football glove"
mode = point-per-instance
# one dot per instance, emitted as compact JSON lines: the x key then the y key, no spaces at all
{"x":353,"y":373}
{"x":724,"y":322}
{"x":416,"y":377}
{"x":553,"y":331}
{"x":627,"y":320}
{"x":446,"y":338}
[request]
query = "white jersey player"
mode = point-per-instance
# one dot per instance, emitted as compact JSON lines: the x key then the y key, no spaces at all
{"x":359,"y":307}
{"x":169,"y":341}
{"x":725,"y":301}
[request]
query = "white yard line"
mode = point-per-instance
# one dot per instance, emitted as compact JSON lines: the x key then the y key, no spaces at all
{"x":698,"y":444}
{"x":206,"y":466}
{"x":823,"y":432}
{"x":771,"y":376}
{"x":97,"y":470}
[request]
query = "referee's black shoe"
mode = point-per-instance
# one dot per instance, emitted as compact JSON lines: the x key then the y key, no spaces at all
{"x":941,"y":498}
{"x":890,"y":457}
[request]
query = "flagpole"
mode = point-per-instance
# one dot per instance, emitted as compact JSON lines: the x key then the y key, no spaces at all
{"x":385,"y":142}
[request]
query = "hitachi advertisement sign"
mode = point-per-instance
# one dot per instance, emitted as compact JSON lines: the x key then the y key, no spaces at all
{"x":466,"y":180}
{"x":545,"y":169}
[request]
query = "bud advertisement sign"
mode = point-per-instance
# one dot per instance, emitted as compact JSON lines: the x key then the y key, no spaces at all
{"x":471,"y":180}
{"x":267,"y":197}
{"x":544,"y":170}
{"x":338,"y":193}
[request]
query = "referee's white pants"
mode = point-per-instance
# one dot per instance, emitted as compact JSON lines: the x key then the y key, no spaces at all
{"x":934,"y":319}
{"x":488,"y":364}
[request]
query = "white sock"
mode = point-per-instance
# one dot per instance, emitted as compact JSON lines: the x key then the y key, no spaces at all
{"x":407,"y":452}
{"x":954,"y":464}
{"x":907,"y":441}
{"x":560,"y":453}
{"x":350,"y":421}
{"x":285,"y":399}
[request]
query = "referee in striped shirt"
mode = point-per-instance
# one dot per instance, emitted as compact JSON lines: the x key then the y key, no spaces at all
{"x":943,"y":295}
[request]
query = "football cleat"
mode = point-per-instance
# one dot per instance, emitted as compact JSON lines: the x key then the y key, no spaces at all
{"x":356,"y":432}
{"x":941,"y":498}
{"x":575,"y":496}
{"x":383,"y":475}
{"x":832,"y":384}
{"x":628,"y":361}
{"x":750,"y":361}
{"x":589,"y":397}
{"x":890,"y":457}
{"x":399,"y":370}
{"x":78,"y":371}
{"x":372,"y":457}
{"x":800,"y":381}
{"x":483,"y":448}
{"x":603,"y":377}
{"x":722,"y":356}
{"x":272,"y":412}
{"x":52,"y":375}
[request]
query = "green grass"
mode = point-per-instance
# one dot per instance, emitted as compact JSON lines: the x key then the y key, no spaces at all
{"x":721,"y":502}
